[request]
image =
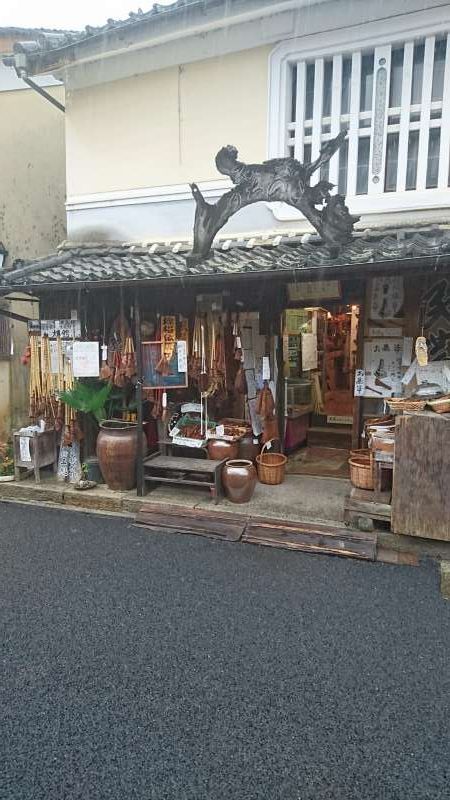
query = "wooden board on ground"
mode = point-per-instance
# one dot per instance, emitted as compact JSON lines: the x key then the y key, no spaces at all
{"x":311,"y":537}
{"x":420,"y":495}
{"x":364,"y":503}
{"x":159,"y":517}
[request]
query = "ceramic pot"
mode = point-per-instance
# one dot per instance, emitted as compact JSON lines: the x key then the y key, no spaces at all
{"x":218,"y":449}
{"x":117,"y":452}
{"x":247,"y":449}
{"x":239,"y":480}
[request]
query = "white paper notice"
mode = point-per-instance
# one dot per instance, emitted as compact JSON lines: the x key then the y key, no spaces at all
{"x":407,"y":351}
{"x":24,"y":444}
{"x":251,"y":383}
{"x":254,"y":418}
{"x":182,"y":355}
{"x":360,"y":383}
{"x":410,"y":372}
{"x":309,"y":351}
{"x":266,"y":368}
{"x":86,"y":359}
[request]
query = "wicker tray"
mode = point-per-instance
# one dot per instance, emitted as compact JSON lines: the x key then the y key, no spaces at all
{"x":404,"y":404}
{"x":441,"y":405}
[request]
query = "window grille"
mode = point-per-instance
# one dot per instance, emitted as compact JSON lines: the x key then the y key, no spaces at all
{"x":395,"y":102}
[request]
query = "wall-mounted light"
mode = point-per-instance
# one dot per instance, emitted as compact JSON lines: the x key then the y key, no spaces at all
{"x":3,"y":254}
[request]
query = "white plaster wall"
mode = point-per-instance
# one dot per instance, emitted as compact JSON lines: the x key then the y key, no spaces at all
{"x":32,"y":173}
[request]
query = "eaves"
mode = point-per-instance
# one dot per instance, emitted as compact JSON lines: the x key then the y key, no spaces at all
{"x":194,"y":23}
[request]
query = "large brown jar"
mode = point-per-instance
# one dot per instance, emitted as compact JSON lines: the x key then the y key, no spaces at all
{"x":117,"y":452}
{"x":249,"y":448}
{"x":219,"y":449}
{"x":239,"y":480}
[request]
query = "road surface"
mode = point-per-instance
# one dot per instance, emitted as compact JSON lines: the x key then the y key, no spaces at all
{"x":155,"y":666}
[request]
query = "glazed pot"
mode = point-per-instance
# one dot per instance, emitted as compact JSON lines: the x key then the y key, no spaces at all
{"x":247,"y":449}
{"x":117,"y":452}
{"x":239,"y":480}
{"x":218,"y":449}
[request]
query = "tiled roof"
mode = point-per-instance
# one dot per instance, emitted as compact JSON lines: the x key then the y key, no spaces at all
{"x":105,"y":263}
{"x":54,"y":40}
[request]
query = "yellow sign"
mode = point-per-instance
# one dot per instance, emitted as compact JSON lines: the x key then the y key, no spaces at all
{"x":314,"y":290}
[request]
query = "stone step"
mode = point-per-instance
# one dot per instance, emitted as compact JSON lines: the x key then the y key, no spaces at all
{"x":325,"y":436}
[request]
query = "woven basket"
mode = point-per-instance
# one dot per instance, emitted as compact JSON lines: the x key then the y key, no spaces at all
{"x":361,"y":471}
{"x":403,"y":404}
{"x":441,"y":405}
{"x":271,"y":467}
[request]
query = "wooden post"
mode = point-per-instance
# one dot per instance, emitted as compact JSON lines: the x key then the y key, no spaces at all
{"x":140,"y":452}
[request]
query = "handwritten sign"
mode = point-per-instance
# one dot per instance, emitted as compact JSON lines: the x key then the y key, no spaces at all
{"x":85,"y":359}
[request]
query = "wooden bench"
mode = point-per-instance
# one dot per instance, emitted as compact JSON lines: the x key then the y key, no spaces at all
{"x":184,"y":471}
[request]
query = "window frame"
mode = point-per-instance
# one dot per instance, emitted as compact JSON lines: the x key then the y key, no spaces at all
{"x":389,"y":33}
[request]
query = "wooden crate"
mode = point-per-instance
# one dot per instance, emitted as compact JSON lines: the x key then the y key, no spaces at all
{"x":43,"y":452}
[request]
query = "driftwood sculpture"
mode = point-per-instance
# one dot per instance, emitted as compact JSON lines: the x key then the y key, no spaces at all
{"x":278,"y":180}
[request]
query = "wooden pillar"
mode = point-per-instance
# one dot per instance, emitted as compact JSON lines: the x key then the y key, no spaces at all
{"x":140,"y":379}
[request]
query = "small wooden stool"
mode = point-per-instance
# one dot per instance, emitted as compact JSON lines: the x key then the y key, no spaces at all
{"x":42,"y":449}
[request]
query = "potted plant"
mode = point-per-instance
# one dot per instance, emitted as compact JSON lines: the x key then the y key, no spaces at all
{"x":6,"y":462}
{"x":117,"y":439}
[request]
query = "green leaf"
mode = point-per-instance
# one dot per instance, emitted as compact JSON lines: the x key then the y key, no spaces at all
{"x":88,"y":398}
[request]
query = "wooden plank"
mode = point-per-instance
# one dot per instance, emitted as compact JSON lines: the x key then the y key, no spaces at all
{"x":181,"y":520}
{"x":420,"y":495}
{"x":297,"y":538}
{"x":372,"y":510}
{"x":309,"y":537}
{"x":183,"y":464}
{"x":193,"y":513}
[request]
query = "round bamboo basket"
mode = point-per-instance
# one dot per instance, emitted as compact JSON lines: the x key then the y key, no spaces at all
{"x":361,"y":471}
{"x":271,"y":467}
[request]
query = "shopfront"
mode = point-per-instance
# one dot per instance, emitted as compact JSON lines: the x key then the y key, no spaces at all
{"x":312,"y":371}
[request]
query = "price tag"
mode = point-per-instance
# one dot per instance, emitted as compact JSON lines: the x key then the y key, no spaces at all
{"x":220,"y":430}
{"x":360,"y":383}
{"x":104,"y":352}
{"x":182,"y":355}
{"x":238,"y":343}
{"x":164,"y":400}
{"x":266,"y":368}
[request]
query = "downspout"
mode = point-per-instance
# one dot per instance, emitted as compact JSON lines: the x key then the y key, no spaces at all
{"x":43,"y":93}
{"x":21,"y":72}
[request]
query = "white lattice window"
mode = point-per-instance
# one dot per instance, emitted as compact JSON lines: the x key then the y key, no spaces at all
{"x":394,"y":99}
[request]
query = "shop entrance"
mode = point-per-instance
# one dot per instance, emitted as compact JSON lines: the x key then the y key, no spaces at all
{"x":321,"y":431}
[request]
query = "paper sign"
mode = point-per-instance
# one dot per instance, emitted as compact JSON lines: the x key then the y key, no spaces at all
{"x":251,"y":383}
{"x":24,"y":444}
{"x":387,"y":297}
{"x":410,"y":372}
{"x":220,"y":430}
{"x":309,"y":351}
{"x":85,"y":359}
{"x":407,"y":351}
{"x":74,"y":314}
{"x":182,"y":355}
{"x":382,"y":333}
{"x":247,"y":338}
{"x":383,"y":367}
{"x":360,"y":383}
{"x":254,"y":418}
{"x":266,"y":368}
{"x":249,"y":359}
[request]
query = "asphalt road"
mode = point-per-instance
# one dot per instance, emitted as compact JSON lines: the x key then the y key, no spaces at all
{"x":154,"y":666}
